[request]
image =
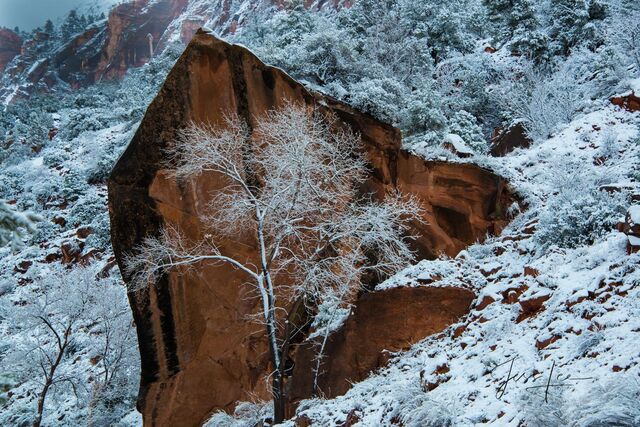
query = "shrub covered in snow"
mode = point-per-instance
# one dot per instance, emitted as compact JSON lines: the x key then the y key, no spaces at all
{"x":14,"y":225}
{"x":580,"y":211}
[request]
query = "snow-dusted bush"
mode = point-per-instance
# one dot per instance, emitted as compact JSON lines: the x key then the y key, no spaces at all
{"x":423,"y":115}
{"x":580,"y":211}
{"x":544,"y":101}
{"x":517,"y":24}
{"x":380,"y":97}
{"x":466,"y":83}
{"x":246,"y":414}
{"x":574,"y":22}
{"x":466,"y":127}
{"x":424,"y":411}
{"x":612,"y":404}
{"x":14,"y":225}
{"x":543,"y":408}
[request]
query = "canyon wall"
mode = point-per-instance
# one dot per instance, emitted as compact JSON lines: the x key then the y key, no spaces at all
{"x":104,"y":50}
{"x":200,"y":352}
{"x":10,"y":44}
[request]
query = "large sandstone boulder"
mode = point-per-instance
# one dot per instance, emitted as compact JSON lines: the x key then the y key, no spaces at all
{"x":382,"y":322}
{"x":199,"y":351}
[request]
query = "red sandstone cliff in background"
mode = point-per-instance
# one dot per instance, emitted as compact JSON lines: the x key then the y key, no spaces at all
{"x":133,"y":32}
{"x":104,"y":50}
{"x":10,"y":44}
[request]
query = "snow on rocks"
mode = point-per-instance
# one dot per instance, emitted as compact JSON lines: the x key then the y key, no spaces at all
{"x":457,"y":146}
{"x":631,"y":228}
{"x":566,"y":315}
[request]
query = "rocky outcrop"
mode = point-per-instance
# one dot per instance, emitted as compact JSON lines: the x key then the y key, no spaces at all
{"x":461,"y":203}
{"x":630,"y":102}
{"x":126,"y":40}
{"x":77,"y":60}
{"x":631,"y":227}
{"x":10,"y":44}
{"x":507,"y":141}
{"x":105,"y":50}
{"x":199,"y":352}
{"x":131,"y":28}
{"x":382,"y":322}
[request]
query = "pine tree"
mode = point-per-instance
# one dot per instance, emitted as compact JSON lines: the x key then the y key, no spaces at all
{"x":14,"y":225}
{"x":48,"y":27}
{"x":71,"y":25}
{"x":568,"y":21}
{"x":516,"y":22}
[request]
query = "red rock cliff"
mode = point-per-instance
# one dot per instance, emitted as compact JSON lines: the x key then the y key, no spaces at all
{"x":105,"y":50}
{"x":10,"y":44}
{"x":199,"y":352}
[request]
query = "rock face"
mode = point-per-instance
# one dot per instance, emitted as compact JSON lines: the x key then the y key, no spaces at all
{"x":105,"y":50}
{"x":461,"y":202}
{"x":630,"y":102}
{"x":382,"y":322}
{"x":10,"y":44}
{"x":130,"y":28}
{"x":199,"y":352}
{"x":509,"y":140}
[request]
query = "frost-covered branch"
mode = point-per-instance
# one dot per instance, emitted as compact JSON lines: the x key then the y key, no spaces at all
{"x":14,"y":224}
{"x":291,"y":186}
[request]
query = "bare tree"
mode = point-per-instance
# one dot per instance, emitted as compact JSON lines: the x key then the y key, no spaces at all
{"x":50,"y":322}
{"x":294,"y":186}
{"x":544,"y":101}
{"x":116,"y":353}
{"x":69,"y":313}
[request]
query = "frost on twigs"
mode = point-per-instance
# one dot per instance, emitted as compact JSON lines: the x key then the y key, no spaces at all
{"x":293,"y":186}
{"x":15,"y":225}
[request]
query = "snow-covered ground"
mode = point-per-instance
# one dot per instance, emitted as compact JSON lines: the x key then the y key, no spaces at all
{"x":553,"y":335}
{"x":553,"y":338}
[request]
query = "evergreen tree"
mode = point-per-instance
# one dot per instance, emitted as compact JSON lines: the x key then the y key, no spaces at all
{"x":568,"y":21}
{"x":14,"y":225}
{"x":516,"y":22}
{"x":71,"y":25}
{"x":48,"y":27}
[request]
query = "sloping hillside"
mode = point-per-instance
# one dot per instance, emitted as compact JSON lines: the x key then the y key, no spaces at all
{"x":542,"y":94}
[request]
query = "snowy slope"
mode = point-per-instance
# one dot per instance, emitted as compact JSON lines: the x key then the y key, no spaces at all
{"x":553,"y":336}
{"x":567,"y":318}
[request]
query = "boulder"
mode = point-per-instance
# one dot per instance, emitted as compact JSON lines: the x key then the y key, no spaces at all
{"x":507,"y":141}
{"x":456,"y":145}
{"x":199,"y":353}
{"x":631,"y":227}
{"x":389,"y":320}
{"x":630,"y":102}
